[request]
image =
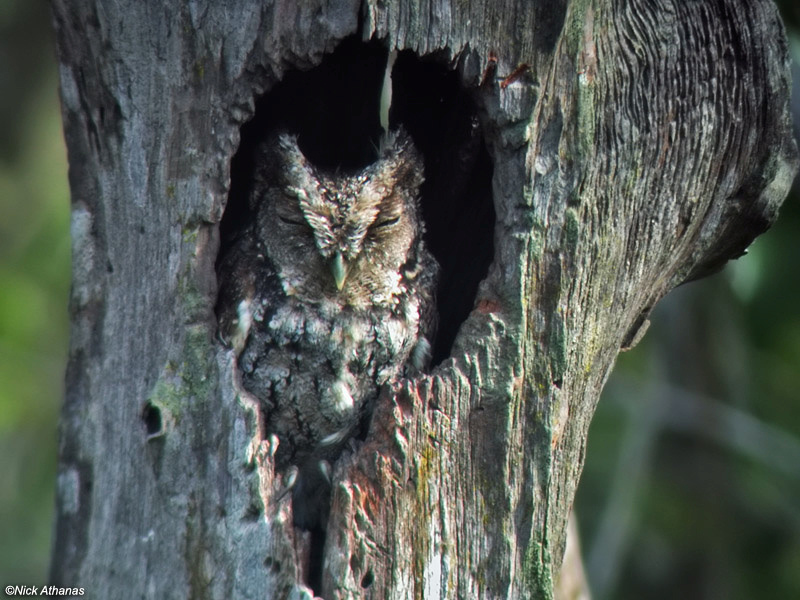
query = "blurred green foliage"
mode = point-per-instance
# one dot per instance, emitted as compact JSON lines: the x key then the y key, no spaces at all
{"x":671,"y":506}
{"x":34,"y":283}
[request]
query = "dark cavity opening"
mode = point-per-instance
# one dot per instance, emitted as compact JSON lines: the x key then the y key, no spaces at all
{"x":334,"y":110}
{"x":442,"y":118}
{"x":368,"y":579}
{"x":151,"y":416}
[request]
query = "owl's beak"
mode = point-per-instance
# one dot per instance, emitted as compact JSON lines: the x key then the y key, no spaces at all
{"x":339,"y":270}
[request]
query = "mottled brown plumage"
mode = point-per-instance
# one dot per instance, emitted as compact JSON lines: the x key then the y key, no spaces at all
{"x":327,"y":296}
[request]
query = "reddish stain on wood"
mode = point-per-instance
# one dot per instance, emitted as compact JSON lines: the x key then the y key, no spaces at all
{"x":488,"y":306}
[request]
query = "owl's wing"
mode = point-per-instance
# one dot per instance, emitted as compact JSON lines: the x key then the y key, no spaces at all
{"x":423,"y":278}
{"x":237,"y":287}
{"x":429,"y":280}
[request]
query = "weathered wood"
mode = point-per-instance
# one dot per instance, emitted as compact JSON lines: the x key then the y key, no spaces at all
{"x":646,"y":143}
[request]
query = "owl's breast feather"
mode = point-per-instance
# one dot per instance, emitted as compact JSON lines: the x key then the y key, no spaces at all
{"x":318,"y":366}
{"x":329,"y":329}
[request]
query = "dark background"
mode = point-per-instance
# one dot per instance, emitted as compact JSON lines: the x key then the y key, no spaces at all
{"x":692,"y":480}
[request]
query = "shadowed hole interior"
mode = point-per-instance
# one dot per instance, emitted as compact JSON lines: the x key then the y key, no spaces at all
{"x":368,"y":579}
{"x":151,"y":416}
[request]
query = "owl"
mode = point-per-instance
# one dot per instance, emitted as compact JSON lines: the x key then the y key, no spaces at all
{"x":328,"y":295}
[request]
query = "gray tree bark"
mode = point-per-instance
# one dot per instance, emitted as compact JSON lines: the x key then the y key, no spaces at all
{"x":645,"y":144}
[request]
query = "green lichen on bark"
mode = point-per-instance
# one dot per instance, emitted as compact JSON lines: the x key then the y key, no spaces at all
{"x":188,"y":379}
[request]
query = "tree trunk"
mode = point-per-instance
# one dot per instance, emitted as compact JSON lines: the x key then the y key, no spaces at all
{"x":634,"y":145}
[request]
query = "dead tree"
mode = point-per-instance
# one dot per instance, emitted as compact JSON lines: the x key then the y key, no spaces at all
{"x":609,"y":151}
